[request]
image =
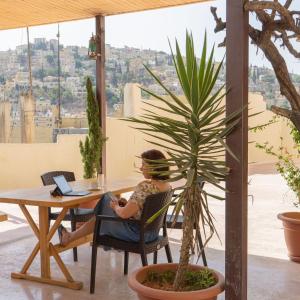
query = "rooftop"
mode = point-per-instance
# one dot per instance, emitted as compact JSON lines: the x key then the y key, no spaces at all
{"x":271,"y":274}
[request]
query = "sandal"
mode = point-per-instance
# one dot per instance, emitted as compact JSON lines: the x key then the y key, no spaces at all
{"x":60,"y":230}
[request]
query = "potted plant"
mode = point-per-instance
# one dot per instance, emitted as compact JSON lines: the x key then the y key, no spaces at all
{"x":291,"y":174}
{"x":193,"y":134}
{"x":91,"y":149}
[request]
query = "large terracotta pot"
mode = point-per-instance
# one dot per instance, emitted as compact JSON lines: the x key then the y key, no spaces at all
{"x":291,"y":226}
{"x":147,"y":293}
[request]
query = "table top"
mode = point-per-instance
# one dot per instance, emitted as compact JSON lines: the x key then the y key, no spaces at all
{"x":40,"y":196}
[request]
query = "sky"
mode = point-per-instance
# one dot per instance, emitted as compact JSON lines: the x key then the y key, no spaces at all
{"x":145,"y":30}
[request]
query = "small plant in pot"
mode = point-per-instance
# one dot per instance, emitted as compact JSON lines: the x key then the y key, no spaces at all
{"x":290,"y":172}
{"x":91,"y":148}
{"x":193,"y":134}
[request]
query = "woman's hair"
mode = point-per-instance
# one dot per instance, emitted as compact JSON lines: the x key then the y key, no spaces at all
{"x":150,"y":156}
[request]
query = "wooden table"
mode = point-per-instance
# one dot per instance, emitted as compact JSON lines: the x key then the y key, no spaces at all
{"x":41,"y":198}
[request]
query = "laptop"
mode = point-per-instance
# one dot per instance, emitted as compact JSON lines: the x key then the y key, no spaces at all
{"x":65,"y":189}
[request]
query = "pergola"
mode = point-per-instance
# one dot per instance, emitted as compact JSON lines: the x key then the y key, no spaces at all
{"x":25,"y":13}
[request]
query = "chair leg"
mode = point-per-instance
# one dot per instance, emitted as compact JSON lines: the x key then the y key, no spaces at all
{"x":155,"y":257}
{"x":73,"y":228}
{"x":93,"y":269}
{"x":126,"y":258}
{"x":144,"y":259}
{"x":168,"y":253}
{"x":202,"y":252}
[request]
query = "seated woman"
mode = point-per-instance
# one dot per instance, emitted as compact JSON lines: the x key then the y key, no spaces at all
{"x":109,"y":205}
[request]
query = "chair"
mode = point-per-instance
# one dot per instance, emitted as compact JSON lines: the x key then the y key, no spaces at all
{"x":178,"y":225}
{"x":74,"y":215}
{"x":152,"y":204}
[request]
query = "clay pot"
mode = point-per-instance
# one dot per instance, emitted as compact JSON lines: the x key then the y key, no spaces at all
{"x":291,"y":226}
{"x":147,"y":293}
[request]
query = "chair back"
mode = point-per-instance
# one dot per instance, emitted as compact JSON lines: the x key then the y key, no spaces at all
{"x":47,"y":178}
{"x":153,"y":204}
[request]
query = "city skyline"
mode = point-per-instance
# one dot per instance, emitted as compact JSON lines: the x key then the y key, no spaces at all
{"x":155,"y":27}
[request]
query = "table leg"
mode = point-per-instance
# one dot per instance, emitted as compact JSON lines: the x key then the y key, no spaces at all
{"x":46,"y":250}
{"x":44,"y":245}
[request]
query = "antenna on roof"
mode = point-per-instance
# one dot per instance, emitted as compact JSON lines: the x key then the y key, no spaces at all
{"x":58,"y":80}
{"x":29,"y":62}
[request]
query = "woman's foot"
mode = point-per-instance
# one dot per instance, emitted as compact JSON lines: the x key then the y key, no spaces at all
{"x":64,"y":235}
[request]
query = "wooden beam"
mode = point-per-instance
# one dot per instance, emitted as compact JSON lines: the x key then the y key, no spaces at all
{"x":3,"y":217}
{"x":100,"y":80}
{"x":236,"y":184}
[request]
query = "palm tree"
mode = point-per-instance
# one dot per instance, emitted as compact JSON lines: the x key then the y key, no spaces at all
{"x":193,"y":134}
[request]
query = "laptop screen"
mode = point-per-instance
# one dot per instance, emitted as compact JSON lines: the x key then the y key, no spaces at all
{"x":62,"y":184}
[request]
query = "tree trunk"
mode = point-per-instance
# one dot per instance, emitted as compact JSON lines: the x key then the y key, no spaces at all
{"x":187,"y":239}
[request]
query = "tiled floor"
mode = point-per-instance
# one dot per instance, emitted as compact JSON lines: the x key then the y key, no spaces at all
{"x":270,"y":278}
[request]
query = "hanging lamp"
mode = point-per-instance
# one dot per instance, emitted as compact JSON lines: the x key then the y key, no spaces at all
{"x":92,"y":51}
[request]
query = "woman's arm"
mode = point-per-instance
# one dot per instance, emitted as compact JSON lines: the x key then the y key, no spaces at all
{"x":128,"y":211}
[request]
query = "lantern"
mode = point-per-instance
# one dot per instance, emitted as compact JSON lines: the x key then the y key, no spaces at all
{"x":92,"y":51}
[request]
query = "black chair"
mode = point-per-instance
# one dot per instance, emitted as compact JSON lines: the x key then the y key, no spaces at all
{"x":178,"y":225}
{"x":74,"y":215}
{"x":152,"y":204}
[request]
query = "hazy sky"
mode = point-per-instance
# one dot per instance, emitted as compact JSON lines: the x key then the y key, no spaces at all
{"x":150,"y":29}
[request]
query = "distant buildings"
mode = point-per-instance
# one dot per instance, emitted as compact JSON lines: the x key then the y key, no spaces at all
{"x":123,"y":66}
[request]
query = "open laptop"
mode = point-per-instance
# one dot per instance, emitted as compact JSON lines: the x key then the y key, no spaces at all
{"x":65,"y":189}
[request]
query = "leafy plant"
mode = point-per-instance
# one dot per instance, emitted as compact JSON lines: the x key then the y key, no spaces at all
{"x":193,"y":280}
{"x":285,"y":164}
{"x":91,"y":149}
{"x":193,"y":134}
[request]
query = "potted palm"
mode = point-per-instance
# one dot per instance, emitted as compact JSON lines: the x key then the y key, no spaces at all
{"x":193,"y":134}
{"x":290,"y":172}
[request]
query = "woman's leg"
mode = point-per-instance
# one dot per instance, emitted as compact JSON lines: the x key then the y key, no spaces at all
{"x":85,"y":229}
{"x":101,"y":208}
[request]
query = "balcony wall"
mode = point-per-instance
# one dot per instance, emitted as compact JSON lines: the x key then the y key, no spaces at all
{"x":22,"y":164}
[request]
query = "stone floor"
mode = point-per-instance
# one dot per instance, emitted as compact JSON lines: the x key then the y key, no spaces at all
{"x":271,"y":275}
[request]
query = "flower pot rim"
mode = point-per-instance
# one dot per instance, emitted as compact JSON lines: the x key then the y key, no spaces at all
{"x":137,"y":286}
{"x":289,"y":217}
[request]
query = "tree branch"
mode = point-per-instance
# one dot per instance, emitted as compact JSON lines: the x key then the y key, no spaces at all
{"x":256,"y":6}
{"x":220,"y":25}
{"x":287,"y":4}
{"x":281,"y":111}
{"x":289,"y":46}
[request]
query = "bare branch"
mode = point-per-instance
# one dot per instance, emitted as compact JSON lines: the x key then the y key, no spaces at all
{"x":281,"y":111}
{"x":220,"y":25}
{"x":289,"y":46}
{"x":287,"y":4}
{"x":256,"y":6}
{"x":273,"y":14}
{"x":223,"y":44}
{"x":295,"y":12}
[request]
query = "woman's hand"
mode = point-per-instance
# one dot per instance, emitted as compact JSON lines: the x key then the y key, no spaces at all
{"x":129,"y":210}
{"x":114,"y":204}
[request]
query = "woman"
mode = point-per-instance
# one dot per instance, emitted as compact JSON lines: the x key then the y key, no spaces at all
{"x":155,"y":182}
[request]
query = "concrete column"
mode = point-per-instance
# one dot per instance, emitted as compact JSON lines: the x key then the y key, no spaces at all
{"x":5,"y":121}
{"x":27,"y":118}
{"x":132,"y":100}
